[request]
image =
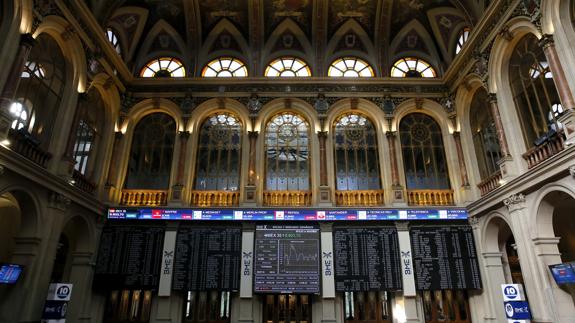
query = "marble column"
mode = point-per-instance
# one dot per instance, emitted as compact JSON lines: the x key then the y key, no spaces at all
{"x":565,"y":95}
{"x":81,"y":275}
{"x":461,"y":159}
{"x":391,"y":135}
{"x":492,"y":97}
{"x":322,"y":136}
{"x":111,"y":181}
{"x":12,"y":83}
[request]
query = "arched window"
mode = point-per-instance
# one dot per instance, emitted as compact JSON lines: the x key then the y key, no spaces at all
{"x":90,"y":125}
{"x":533,"y":90}
{"x":225,"y":67}
{"x":424,"y":159}
{"x":412,"y":67}
{"x":487,"y":150}
{"x":350,"y":67}
{"x":463,"y":36}
{"x":356,"y":159}
{"x":151,"y":153}
{"x":20,"y":113}
{"x":40,"y":90}
{"x":219,"y":153}
{"x":288,"y":67}
{"x":287,"y":153}
{"x":164,"y":67}
{"x":113,"y":39}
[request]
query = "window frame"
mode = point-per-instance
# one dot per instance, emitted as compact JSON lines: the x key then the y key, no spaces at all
{"x":162,"y":67}
{"x":233,"y":73}
{"x":282,"y":60}
{"x":412,"y":67}
{"x":350,"y":64}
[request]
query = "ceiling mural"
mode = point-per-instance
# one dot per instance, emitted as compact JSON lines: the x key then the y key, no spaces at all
{"x":299,"y":11}
{"x":362,"y":11}
{"x":383,"y":23}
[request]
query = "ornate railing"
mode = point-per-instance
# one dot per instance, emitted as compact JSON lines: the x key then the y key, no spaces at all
{"x":215,"y":198}
{"x":27,"y":146}
{"x":287,"y":198}
{"x":144,"y":197}
{"x":359,"y":198}
{"x":81,"y":182}
{"x":430,"y":197}
{"x":490,"y":183}
{"x":536,"y":155}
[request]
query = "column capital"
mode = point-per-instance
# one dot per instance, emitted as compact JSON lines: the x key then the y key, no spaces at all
{"x":546,"y":41}
{"x":456,"y":134}
{"x":402,"y":226}
{"x":118,"y":135}
{"x":2,"y":169}
{"x":473,"y":221}
{"x":492,"y":97}
{"x":572,"y":171}
{"x":184,"y":134}
{"x":391,"y":134}
{"x":515,"y":202}
{"x":322,"y":134}
{"x":253,"y":134}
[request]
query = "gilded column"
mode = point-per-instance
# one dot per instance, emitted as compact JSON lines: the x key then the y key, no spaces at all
{"x":492,"y":97}
{"x":462,"y":167}
{"x":12,"y":82}
{"x":392,"y":155}
{"x":322,"y":136}
{"x":253,"y":136}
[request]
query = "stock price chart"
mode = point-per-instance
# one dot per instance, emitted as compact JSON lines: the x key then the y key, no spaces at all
{"x":287,"y":259}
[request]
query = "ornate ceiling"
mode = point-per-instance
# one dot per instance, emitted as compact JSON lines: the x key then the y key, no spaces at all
{"x":318,"y":31}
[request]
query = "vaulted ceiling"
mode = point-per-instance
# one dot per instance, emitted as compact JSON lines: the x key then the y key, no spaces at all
{"x":318,"y":31}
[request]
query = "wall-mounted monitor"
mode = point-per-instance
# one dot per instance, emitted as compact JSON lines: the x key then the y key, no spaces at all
{"x":563,"y":273}
{"x":9,"y":273}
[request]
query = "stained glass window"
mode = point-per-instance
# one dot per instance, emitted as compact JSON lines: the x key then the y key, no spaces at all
{"x":350,"y":67}
{"x":164,"y":67}
{"x":287,"y":152}
{"x":288,"y":67}
{"x":412,"y":67}
{"x":424,"y":159}
{"x":151,"y":152}
{"x":219,"y":153}
{"x":356,"y":159}
{"x":225,"y":67}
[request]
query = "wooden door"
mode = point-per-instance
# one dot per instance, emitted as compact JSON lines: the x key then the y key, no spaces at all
{"x":446,"y":306}
{"x":368,"y":307}
{"x":287,"y":309}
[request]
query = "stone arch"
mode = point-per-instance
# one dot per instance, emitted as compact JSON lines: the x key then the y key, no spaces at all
{"x":548,"y":198}
{"x":19,"y":217}
{"x":332,"y":52}
{"x":206,"y":53}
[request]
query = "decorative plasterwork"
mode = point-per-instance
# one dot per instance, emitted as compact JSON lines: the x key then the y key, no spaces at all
{"x":515,"y":202}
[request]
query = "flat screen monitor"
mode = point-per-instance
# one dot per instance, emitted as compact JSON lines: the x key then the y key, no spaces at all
{"x":9,"y":273}
{"x":563,"y":273}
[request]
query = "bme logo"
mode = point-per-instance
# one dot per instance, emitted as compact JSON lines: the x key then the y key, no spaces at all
{"x":168,"y":255}
{"x":406,"y":255}
{"x":247,"y":263}
{"x":327,"y":264}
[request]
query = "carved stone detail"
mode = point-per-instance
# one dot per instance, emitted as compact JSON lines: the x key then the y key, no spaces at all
{"x":572,"y":170}
{"x":474,"y":221}
{"x":515,"y":202}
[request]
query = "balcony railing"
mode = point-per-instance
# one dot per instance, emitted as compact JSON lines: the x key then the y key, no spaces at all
{"x":490,"y":183}
{"x":215,"y":198}
{"x":81,"y":182}
{"x":359,"y":198}
{"x":144,"y":197}
{"x":537,"y":155}
{"x":287,"y":198}
{"x":430,"y":197}
{"x":25,"y":145}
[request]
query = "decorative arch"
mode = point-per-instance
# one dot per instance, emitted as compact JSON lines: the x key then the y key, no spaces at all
{"x":543,"y":218}
{"x":71,"y":47}
{"x":171,"y":45}
{"x":350,"y":39}
{"x":414,"y":40}
{"x":298,"y":47}
{"x":224,"y":40}
{"x":29,"y":206}
{"x":129,"y":23}
{"x":446,"y":23}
